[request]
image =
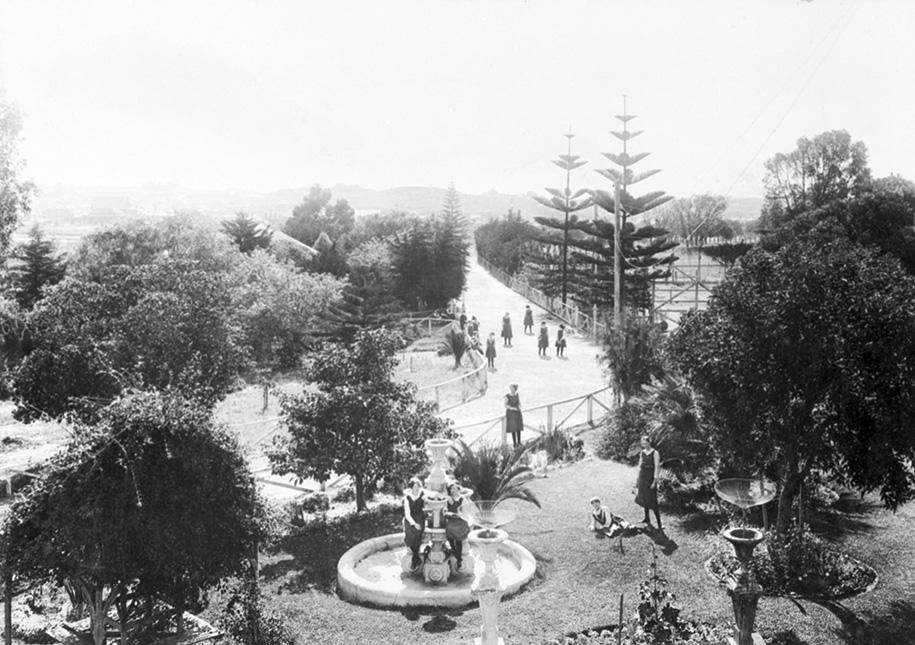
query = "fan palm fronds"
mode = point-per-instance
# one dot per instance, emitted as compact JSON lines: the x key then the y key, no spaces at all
{"x":494,"y":472}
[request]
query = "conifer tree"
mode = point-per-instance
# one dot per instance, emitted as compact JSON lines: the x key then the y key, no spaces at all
{"x":247,"y":233}
{"x":643,"y":248}
{"x":38,"y":265}
{"x":550,"y":256}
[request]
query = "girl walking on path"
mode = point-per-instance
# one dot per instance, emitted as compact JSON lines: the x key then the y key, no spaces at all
{"x":544,"y":341}
{"x":513,"y":420}
{"x":414,"y":517}
{"x":491,"y":351}
{"x":560,"y":340}
{"x":506,"y":330}
{"x":528,"y":320}
{"x":647,"y":485}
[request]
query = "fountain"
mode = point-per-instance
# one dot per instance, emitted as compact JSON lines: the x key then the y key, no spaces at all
{"x":742,"y":586}
{"x":378,"y":571}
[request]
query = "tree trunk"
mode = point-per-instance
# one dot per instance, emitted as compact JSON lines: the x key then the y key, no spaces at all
{"x":790,"y":485}
{"x":360,"y":494}
{"x":98,"y":612}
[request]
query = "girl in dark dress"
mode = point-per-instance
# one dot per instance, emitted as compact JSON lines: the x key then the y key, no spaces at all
{"x":647,"y":485}
{"x":560,"y":340}
{"x":414,"y":518}
{"x":506,"y":330}
{"x":544,"y":341}
{"x":456,"y":527}
{"x":528,"y":320}
{"x":491,"y":351}
{"x":513,"y":420}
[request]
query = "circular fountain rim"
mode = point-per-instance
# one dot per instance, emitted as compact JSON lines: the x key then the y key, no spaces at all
{"x":354,"y":588}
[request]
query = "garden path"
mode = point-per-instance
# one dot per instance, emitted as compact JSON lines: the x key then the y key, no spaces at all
{"x":540,"y":380}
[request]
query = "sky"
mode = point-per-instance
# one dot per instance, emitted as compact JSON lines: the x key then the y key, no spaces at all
{"x":274,"y":94}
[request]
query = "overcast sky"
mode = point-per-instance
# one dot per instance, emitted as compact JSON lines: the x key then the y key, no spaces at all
{"x":281,"y":94}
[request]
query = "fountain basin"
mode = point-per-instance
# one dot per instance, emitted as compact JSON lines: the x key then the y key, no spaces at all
{"x":371,"y":573}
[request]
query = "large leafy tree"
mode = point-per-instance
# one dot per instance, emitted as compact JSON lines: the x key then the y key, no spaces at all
{"x":166,"y":326}
{"x":803,"y":359}
{"x":502,"y":242}
{"x":316,"y":214}
{"x":828,"y":167}
{"x":359,"y":421}
{"x":15,"y":193}
{"x":281,"y":311}
{"x":37,"y":265}
{"x":694,"y":217}
{"x":430,"y":261}
{"x":368,"y":300}
{"x":153,"y":500}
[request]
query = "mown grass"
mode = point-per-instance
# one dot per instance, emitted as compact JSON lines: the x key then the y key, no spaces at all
{"x":579,"y":578}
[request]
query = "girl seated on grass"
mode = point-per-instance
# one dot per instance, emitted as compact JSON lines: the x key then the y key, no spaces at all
{"x":603,"y":522}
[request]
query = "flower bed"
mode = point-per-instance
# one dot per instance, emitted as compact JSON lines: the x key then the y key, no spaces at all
{"x":800,"y":564}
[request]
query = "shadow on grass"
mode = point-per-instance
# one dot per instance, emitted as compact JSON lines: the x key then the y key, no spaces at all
{"x":440,"y":620}
{"x":306,"y":560}
{"x":833,"y":524}
{"x":896,"y":624}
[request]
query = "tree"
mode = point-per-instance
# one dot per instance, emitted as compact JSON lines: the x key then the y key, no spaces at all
{"x":281,"y":311}
{"x":316,"y":215}
{"x":328,"y":260}
{"x":15,"y":193}
{"x":820,"y":170}
{"x":153,"y":500}
{"x":430,"y":262}
{"x":38,"y":266}
{"x":558,"y":230}
{"x":167,"y":326}
{"x":803,"y":361}
{"x":247,"y":233}
{"x":642,"y":249}
{"x":502,"y":242}
{"x":359,"y":421}
{"x":494,"y":472}
{"x":633,"y":355}
{"x":695,"y":217}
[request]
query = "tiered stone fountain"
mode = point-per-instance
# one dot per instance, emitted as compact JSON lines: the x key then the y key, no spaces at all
{"x":378,"y":571}
{"x":742,"y":586}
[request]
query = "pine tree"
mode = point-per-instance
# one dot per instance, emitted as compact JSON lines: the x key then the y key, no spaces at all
{"x":642,"y":247}
{"x":550,"y":256}
{"x":247,"y":233}
{"x":38,"y":265}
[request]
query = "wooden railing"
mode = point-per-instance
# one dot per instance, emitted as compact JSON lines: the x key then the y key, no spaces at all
{"x":469,"y":386}
{"x":572,"y":313}
{"x":546,"y":417}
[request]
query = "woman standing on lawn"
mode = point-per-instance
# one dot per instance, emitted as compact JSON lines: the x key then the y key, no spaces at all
{"x":647,"y":486}
{"x":414,"y":518}
{"x":513,"y":420}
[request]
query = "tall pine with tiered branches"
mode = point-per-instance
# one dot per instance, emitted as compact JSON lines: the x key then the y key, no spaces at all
{"x":548,"y":255}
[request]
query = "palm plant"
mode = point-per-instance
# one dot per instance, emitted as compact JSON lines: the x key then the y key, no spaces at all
{"x":494,"y":472}
{"x":674,"y":422}
{"x":454,"y":343}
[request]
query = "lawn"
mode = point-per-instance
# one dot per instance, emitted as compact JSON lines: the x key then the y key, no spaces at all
{"x":580,"y":578}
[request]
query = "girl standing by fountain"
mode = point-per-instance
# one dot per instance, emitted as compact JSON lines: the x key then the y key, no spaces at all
{"x":456,"y":528}
{"x":647,"y":486}
{"x":414,"y":518}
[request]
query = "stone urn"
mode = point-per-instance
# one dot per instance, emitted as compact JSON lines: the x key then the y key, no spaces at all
{"x":487,"y":588}
{"x":438,"y":451}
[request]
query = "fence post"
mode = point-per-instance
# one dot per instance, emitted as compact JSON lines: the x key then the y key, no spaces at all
{"x":438,"y":403}
{"x":549,"y":418}
{"x":590,"y":405}
{"x":504,"y":432}
{"x":594,"y":322}
{"x":429,"y":326}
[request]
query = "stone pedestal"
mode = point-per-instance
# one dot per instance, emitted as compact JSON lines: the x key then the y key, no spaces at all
{"x":487,"y":589}
{"x":742,"y":586}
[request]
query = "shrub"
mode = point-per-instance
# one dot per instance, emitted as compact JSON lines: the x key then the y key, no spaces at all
{"x":559,"y":445}
{"x":620,"y":439}
{"x":246,"y":621}
{"x":494,"y":472}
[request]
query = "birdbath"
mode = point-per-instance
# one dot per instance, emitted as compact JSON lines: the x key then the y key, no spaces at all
{"x":487,"y":589}
{"x":436,"y":569}
{"x":742,"y":585}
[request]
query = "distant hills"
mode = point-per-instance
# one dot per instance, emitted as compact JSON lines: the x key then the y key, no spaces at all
{"x":97,"y":204}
